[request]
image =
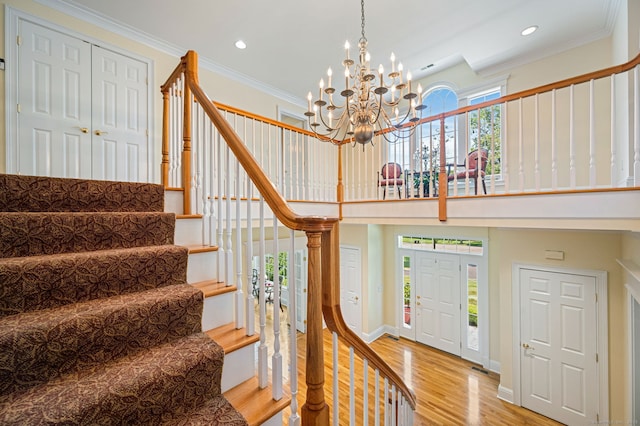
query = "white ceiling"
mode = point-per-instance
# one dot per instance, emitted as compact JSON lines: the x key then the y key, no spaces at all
{"x":291,"y":43}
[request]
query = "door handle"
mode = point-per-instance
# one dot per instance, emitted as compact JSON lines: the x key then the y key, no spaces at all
{"x":418,"y":303}
{"x":526,"y":346}
{"x":84,"y":129}
{"x":100,"y":133}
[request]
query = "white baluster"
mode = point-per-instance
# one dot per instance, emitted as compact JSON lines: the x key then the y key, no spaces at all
{"x":250,"y":301}
{"x":554,"y":143}
{"x":377,"y":402}
{"x":572,"y":140}
{"x":238,"y":229}
{"x":352,"y":388}
{"x":276,"y":359}
{"x":263,"y":351}
{"x":294,"y":419}
{"x":394,"y":406}
{"x":520,"y":147}
{"x":336,"y":384}
{"x":614,"y":150}
{"x":536,"y":135}
{"x":592,"y":136}
{"x":206,"y":187}
{"x":213,"y":189}
{"x":197,"y":148}
{"x":365,"y":393}
{"x":386,"y":413}
{"x":636,"y":127}
{"x":504,"y":167}
{"x":228,"y":269}
{"x":492,"y":153}
{"x":222,"y":146}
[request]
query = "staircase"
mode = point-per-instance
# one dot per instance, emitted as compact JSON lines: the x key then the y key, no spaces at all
{"x":97,"y":322}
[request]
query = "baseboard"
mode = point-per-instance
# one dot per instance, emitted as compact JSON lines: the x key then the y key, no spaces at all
{"x":494,"y":366}
{"x":379,"y":332}
{"x":505,"y":394}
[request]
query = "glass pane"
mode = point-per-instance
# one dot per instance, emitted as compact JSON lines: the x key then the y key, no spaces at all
{"x":406,"y":286}
{"x":472,"y":307}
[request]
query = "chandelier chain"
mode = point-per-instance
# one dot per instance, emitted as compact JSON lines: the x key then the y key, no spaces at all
{"x":362,"y":38}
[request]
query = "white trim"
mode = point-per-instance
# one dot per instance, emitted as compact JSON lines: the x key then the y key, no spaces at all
{"x":378,"y":333}
{"x":485,"y":87}
{"x":506,"y":394}
{"x":494,"y":366}
{"x":12,"y":18}
{"x":87,"y":15}
{"x":602,"y":332}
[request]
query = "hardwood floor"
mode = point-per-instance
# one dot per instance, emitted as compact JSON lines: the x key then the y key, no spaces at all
{"x":448,"y":389}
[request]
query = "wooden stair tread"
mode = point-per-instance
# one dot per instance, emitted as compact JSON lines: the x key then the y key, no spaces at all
{"x":174,"y":188}
{"x":255,"y":404}
{"x":195,"y":248}
{"x":230,"y":338}
{"x":212,"y":288}
{"x":188,"y":216}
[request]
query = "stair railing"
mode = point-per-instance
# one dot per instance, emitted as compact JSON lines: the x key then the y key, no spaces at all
{"x":204,"y":155}
{"x":578,"y":134}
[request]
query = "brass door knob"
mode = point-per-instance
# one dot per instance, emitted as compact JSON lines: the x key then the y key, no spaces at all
{"x":100,"y":133}
{"x":84,"y":129}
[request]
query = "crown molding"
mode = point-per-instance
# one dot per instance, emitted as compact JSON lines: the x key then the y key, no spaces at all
{"x":69,"y":7}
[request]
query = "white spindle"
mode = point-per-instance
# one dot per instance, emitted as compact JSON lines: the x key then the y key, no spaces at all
{"x":228,"y":253}
{"x":263,"y":379}
{"x":394,"y":407}
{"x":492,"y":152}
{"x":197,"y":147}
{"x":206,"y":179}
{"x":614,"y":148}
{"x":336,"y":384}
{"x":385,"y":402}
{"x":276,"y":359}
{"x":250,"y":301}
{"x":536,"y":135}
{"x":238,"y":229}
{"x":352,"y":388}
{"x":294,"y":418}
{"x":636,"y":127}
{"x":554,"y":143}
{"x":365,"y":393}
{"x":377,"y":402}
{"x":504,"y":166}
{"x":572,"y":140}
{"x":520,"y":146}
{"x":592,"y":136}
{"x":221,"y":148}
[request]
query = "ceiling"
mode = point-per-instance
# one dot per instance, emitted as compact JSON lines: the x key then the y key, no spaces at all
{"x":291,"y":43}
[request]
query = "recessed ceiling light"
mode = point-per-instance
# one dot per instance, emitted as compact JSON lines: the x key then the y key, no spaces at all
{"x":529,"y":30}
{"x":241,"y":44}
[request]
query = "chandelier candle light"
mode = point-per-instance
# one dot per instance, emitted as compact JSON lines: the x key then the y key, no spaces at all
{"x":370,"y":104}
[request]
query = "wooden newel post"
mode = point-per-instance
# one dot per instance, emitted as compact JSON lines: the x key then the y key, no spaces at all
{"x":186,"y":150}
{"x":315,"y":410}
{"x":165,"y":138}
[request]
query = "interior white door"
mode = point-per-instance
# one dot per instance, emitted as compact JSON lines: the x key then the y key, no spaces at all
{"x":119,"y":117}
{"x":82,"y":109}
{"x":438,"y":301}
{"x":558,"y":347}
{"x":300,"y":265}
{"x":54,"y":98}
{"x":351,"y":288}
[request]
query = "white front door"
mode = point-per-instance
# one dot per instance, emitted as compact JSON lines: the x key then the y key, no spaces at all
{"x":558,"y":345}
{"x":54,"y":98}
{"x":351,"y":288}
{"x":438,"y":301}
{"x":82,"y":109}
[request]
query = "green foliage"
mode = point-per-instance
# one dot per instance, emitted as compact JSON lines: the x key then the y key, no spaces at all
{"x":488,"y":132}
{"x":282,"y":267}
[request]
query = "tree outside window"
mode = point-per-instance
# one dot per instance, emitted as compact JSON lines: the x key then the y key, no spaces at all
{"x":485,"y":129}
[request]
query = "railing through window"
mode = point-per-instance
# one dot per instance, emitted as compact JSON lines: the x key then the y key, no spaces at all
{"x":235,"y":170}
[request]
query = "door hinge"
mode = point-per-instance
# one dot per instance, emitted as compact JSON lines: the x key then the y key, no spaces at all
{"x":597,"y":359}
{"x":18,"y":108}
{"x":596,"y":297}
{"x":19,"y":40}
{"x":597,"y":418}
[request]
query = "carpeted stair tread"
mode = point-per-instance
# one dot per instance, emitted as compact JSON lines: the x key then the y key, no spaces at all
{"x":214,"y":412}
{"x":47,"y":281}
{"x":31,"y":234}
{"x":40,"y":194}
{"x":169,"y":380}
{"x":41,"y":345}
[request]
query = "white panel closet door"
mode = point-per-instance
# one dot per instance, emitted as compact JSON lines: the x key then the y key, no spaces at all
{"x":54,"y":96}
{"x":119,"y":117}
{"x":558,"y":348}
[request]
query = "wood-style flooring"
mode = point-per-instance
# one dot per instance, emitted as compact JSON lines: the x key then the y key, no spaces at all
{"x":448,"y":389}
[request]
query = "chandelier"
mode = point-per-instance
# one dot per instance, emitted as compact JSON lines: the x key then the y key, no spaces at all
{"x":371,"y":104}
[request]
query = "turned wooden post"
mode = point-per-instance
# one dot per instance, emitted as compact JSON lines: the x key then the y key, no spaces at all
{"x":315,"y":411}
{"x":164,"y":167}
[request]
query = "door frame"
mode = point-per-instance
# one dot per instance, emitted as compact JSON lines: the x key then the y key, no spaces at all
{"x":602,"y":330}
{"x":12,"y":18}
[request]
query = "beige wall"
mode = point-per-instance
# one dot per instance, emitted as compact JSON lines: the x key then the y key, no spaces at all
{"x":219,"y":88}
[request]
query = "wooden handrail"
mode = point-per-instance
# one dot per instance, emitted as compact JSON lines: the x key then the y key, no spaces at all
{"x":333,"y":313}
{"x":322,"y":233}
